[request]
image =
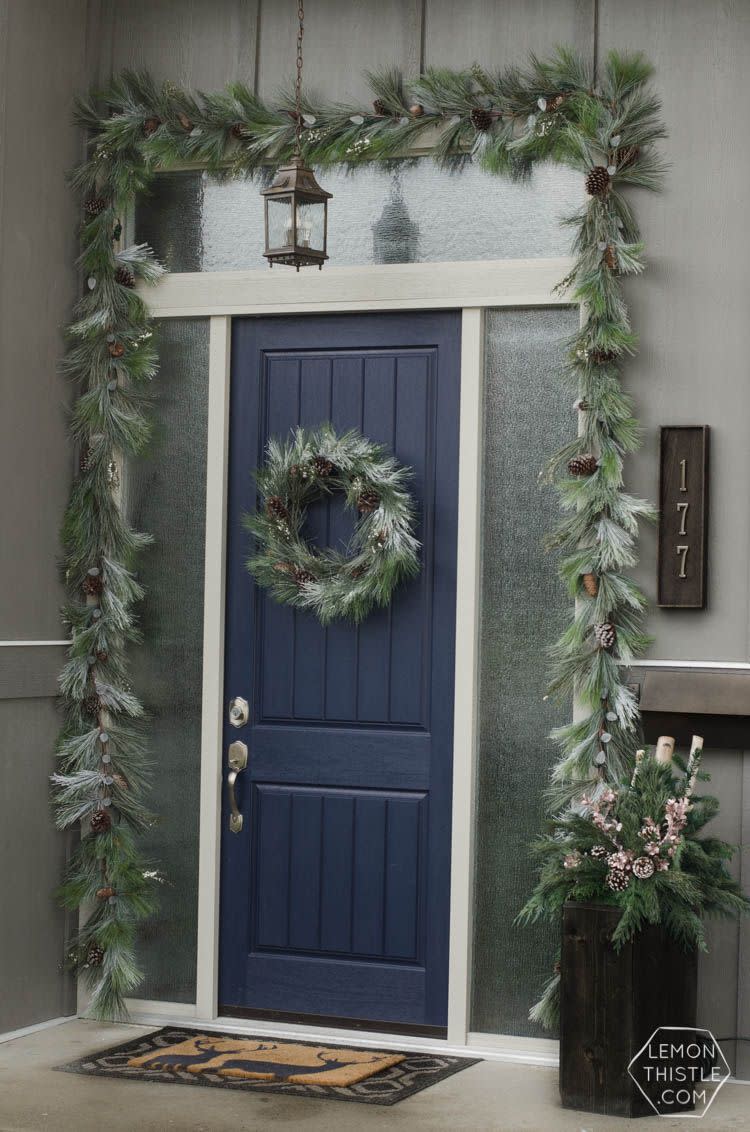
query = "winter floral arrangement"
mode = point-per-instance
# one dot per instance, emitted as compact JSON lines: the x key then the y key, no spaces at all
{"x":636,"y":844}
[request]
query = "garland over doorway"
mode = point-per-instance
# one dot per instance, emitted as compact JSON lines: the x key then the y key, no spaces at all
{"x":505,"y":121}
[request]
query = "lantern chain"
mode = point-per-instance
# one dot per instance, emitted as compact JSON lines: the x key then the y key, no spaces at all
{"x":298,"y":83}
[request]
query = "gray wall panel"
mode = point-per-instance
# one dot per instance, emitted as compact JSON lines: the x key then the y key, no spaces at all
{"x":718,"y":969}
{"x":342,"y":41}
{"x":690,"y":307}
{"x":496,"y":34}
{"x":43,"y":69}
{"x":200,"y":44}
{"x":32,"y":928}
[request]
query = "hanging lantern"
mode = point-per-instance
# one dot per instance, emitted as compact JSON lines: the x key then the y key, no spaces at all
{"x":296,"y":208}
{"x":296,"y":217}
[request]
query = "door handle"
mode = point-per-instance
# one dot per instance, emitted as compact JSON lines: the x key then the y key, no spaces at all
{"x":237,"y":759}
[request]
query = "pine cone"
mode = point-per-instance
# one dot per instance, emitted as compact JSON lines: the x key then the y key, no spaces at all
{"x":610,"y":258}
{"x":302,"y":577}
{"x":602,"y":357}
{"x":380,"y":108}
{"x":93,"y":583}
{"x":102,"y":656}
{"x":276,"y":508}
{"x":322,"y":466}
{"x":151,"y":125}
{"x":590,"y":584}
{"x":481,"y":119}
{"x":597,"y":181}
{"x":124,"y":276}
{"x":116,"y":349}
{"x":643,"y":868}
{"x":627,"y":155}
{"x":584,"y":465}
{"x":95,"y":956}
{"x":617,"y":880}
{"x":598,"y":851}
{"x":86,"y":459}
{"x":184,"y":121}
{"x":238,"y":131}
{"x":368,"y":502}
{"x":605,"y":634}
{"x":92,"y":705}
{"x":555,"y":101}
{"x":94,"y":205}
{"x":101,"y":822}
{"x":283,"y":567}
{"x":104,"y":893}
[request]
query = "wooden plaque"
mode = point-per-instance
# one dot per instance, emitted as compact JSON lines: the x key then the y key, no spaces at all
{"x":683,"y":523}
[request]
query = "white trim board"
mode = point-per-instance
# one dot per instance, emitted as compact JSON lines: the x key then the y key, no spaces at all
{"x":404,"y":286}
{"x":32,"y":644}
{"x":731,"y":665}
{"x":12,"y":1035}
{"x":468,"y":287}
{"x":490,"y":1047}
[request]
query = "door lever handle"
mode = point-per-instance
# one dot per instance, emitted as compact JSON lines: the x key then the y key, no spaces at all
{"x":237,"y":759}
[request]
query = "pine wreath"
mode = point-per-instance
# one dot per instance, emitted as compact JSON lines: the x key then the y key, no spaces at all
{"x":333,"y":584}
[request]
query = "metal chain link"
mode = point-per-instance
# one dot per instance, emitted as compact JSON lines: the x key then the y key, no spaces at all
{"x":298,"y":83}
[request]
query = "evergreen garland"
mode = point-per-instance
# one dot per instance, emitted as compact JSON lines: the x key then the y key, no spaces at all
{"x":505,"y":122}
{"x":383,"y":550}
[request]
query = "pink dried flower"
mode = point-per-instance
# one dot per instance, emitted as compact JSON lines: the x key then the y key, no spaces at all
{"x":653,"y":848}
{"x":572,"y":860}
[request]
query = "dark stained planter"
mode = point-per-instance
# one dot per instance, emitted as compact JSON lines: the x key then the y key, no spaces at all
{"x":610,"y":1004}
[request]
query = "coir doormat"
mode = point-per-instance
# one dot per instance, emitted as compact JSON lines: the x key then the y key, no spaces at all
{"x":265,"y":1065}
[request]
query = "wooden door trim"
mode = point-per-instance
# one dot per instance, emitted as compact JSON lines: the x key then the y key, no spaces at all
{"x":469,"y":288}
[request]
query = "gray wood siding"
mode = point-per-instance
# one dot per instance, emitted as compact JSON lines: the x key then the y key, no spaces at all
{"x":41,"y":67}
{"x":690,"y":307}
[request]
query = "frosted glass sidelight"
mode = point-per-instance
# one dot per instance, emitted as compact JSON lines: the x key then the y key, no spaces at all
{"x":165,"y":496}
{"x":528,"y":414}
{"x":409,"y":212}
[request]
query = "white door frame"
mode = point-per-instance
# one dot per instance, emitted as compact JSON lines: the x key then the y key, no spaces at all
{"x":468,"y":287}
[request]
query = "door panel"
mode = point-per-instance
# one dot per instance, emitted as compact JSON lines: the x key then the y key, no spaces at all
{"x":335,"y":894}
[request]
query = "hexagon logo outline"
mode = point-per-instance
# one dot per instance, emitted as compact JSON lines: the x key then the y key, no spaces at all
{"x":690,"y":1030}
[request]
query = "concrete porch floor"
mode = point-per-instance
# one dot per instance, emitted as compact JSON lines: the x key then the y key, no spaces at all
{"x":489,"y":1097}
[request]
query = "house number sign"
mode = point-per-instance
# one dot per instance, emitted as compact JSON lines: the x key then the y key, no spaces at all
{"x":683,"y":523}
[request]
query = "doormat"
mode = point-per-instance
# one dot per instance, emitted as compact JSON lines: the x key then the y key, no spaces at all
{"x":264,"y":1065}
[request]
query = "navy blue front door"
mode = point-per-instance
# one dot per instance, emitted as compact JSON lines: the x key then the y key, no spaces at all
{"x":335,"y":893}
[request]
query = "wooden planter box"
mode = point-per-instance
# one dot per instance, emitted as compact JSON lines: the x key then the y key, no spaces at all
{"x":610,"y":1004}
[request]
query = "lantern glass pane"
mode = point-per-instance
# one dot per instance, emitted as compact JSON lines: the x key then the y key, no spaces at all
{"x":310,"y":225}
{"x":279,"y":216}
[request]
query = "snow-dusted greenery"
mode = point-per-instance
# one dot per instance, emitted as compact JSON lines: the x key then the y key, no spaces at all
{"x":331,"y":583}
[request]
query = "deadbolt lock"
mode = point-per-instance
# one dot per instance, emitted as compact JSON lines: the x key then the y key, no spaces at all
{"x":239,"y":712}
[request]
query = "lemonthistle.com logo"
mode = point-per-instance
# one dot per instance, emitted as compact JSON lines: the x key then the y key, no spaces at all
{"x":680,"y":1070}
